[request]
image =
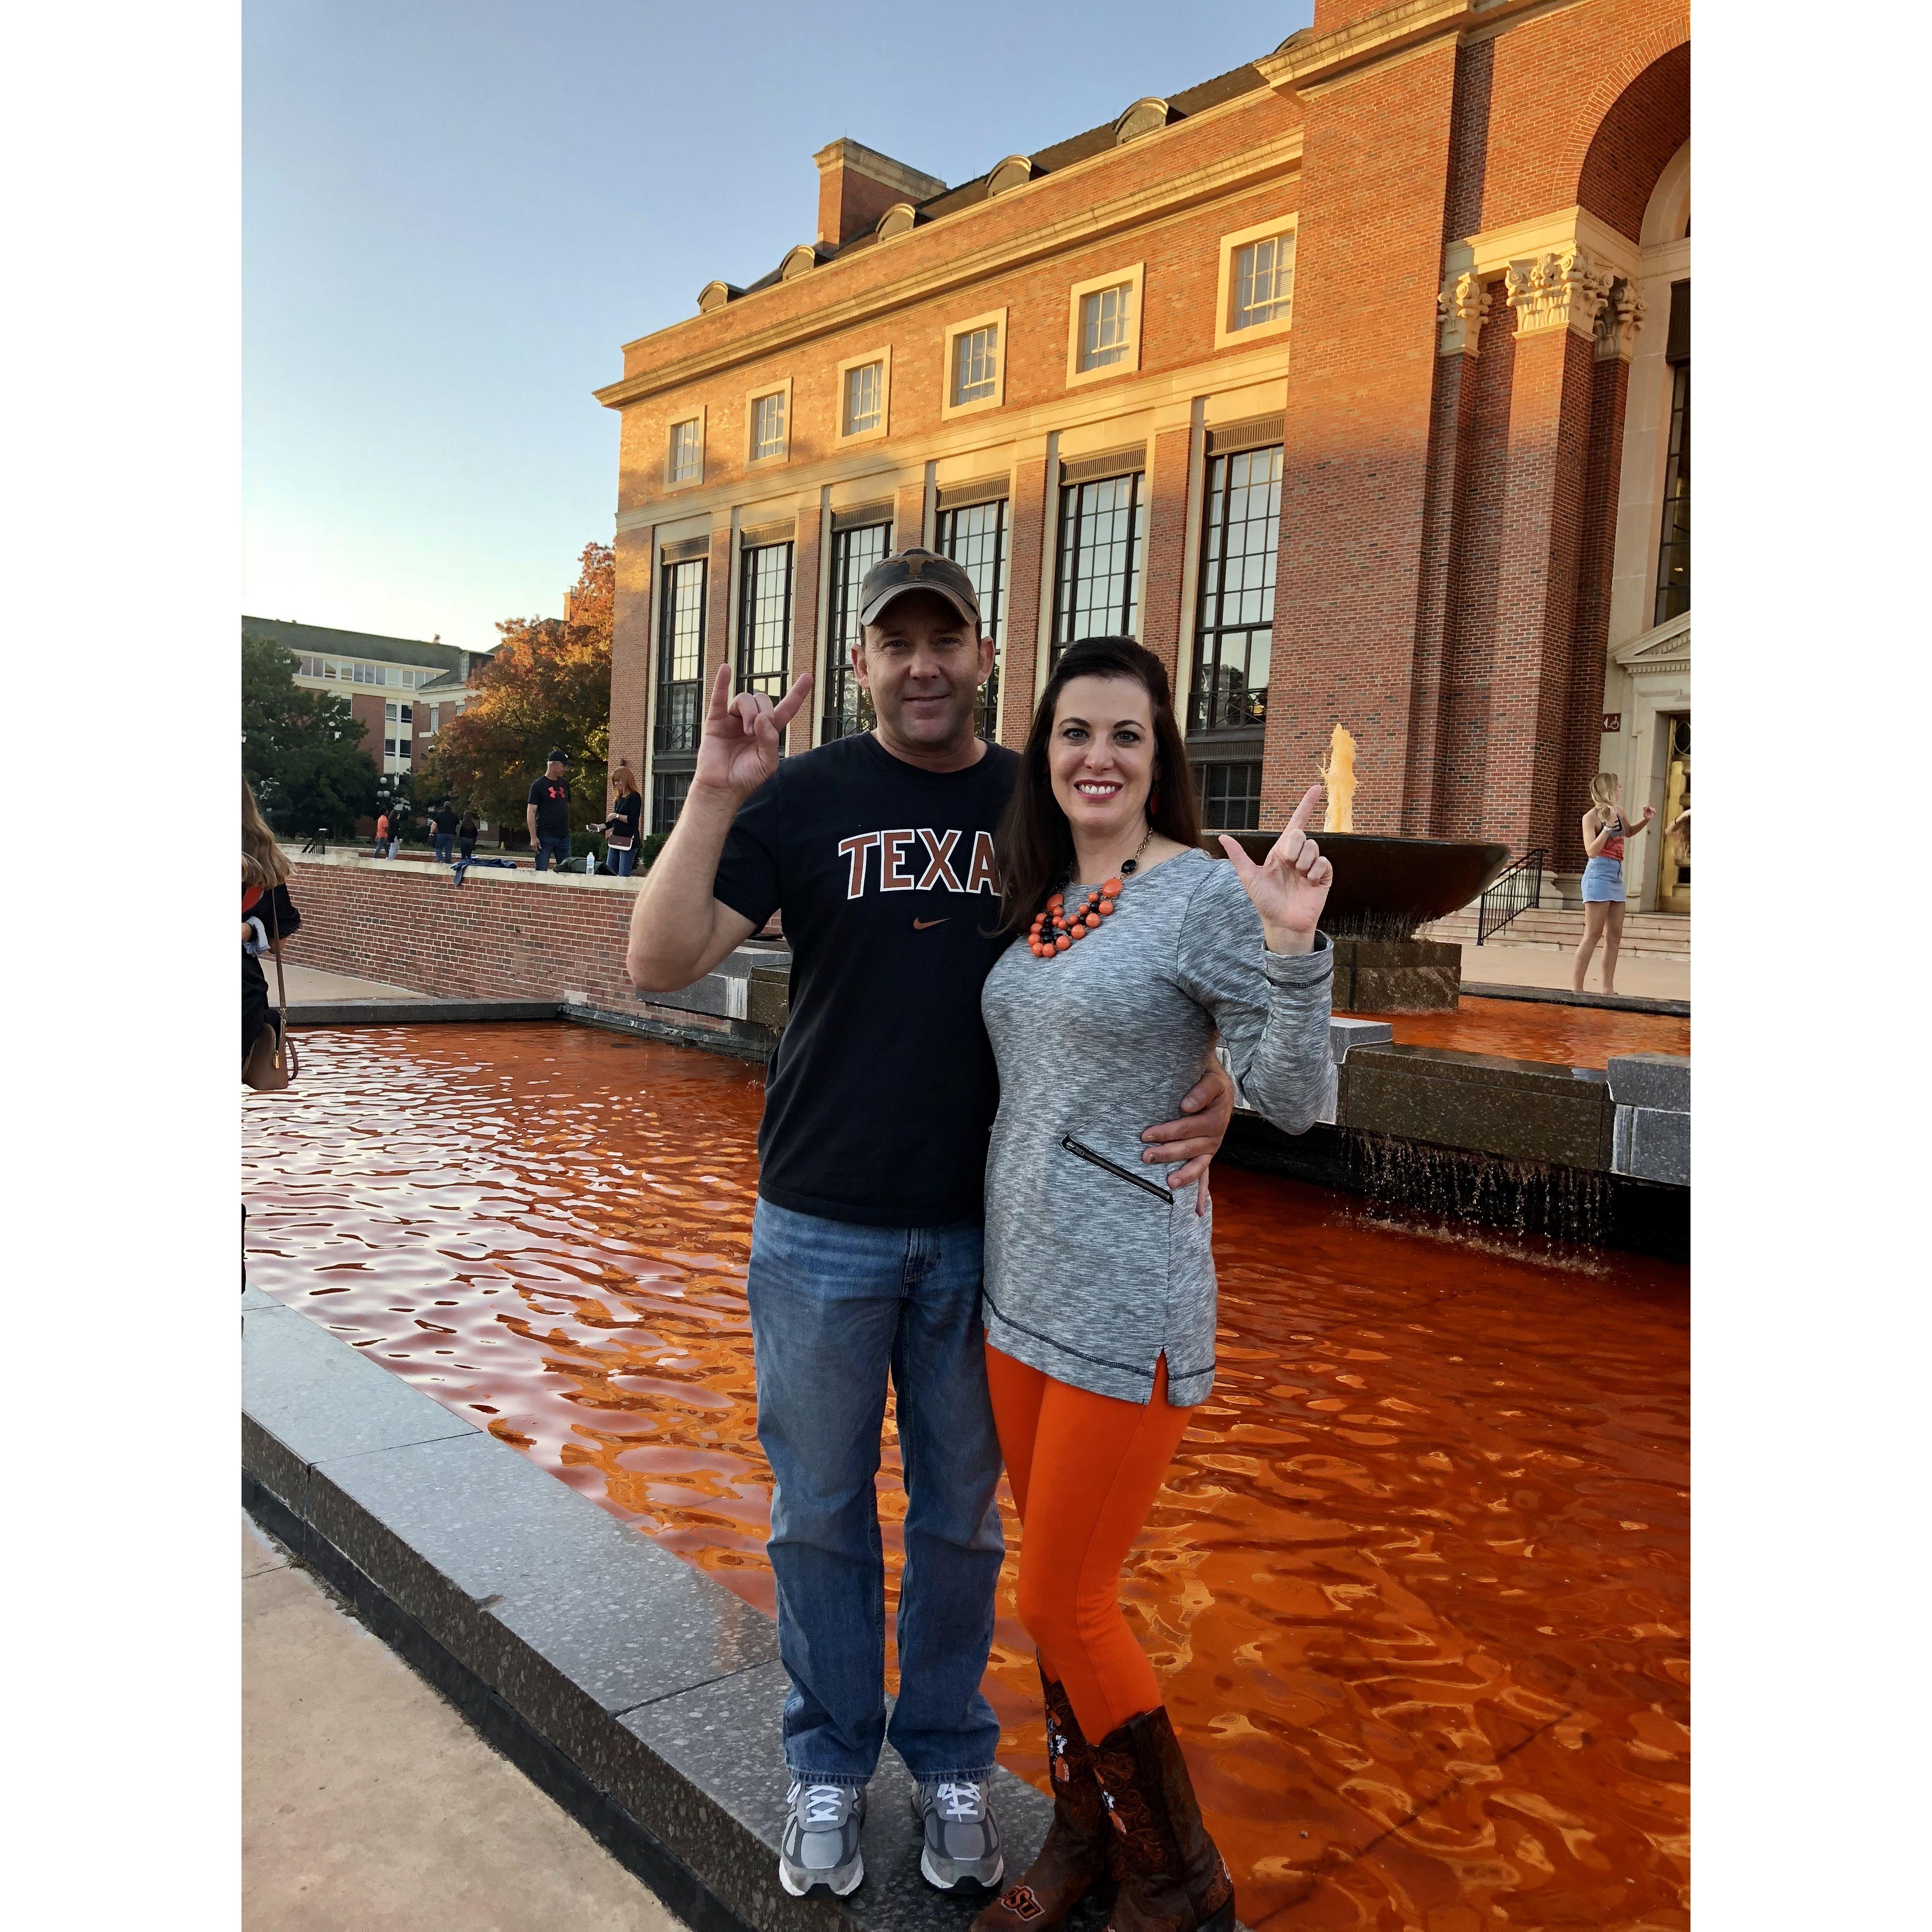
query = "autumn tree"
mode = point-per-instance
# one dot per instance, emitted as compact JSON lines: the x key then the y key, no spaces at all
{"x":301,"y":750}
{"x":547,"y":683}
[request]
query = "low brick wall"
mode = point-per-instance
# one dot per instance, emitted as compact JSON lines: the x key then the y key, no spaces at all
{"x":503,"y":935}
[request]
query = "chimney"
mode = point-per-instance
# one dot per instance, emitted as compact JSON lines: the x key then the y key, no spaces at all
{"x":857,"y":185}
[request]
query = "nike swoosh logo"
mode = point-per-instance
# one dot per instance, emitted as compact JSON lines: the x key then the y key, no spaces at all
{"x":920,"y":924}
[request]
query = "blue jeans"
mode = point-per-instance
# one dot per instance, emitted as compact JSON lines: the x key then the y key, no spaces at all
{"x":622,"y":862}
{"x":445,"y":844}
{"x":548,"y":849}
{"x":835,"y":1310}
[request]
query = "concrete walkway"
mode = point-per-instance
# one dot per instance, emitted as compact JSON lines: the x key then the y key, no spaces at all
{"x":1500,"y":964}
{"x":308,"y":987}
{"x":368,"y":1802}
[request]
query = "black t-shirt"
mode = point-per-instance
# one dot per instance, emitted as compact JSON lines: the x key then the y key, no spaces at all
{"x":881,"y":1096}
{"x":624,"y":814}
{"x":551,"y":797}
{"x":444,"y":820}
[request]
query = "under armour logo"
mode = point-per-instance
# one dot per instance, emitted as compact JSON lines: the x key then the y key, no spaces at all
{"x":1020,"y":1901}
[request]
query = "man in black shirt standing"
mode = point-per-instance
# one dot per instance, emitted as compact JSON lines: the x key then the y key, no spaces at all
{"x":547,"y":813}
{"x":443,"y":819}
{"x":865,"y":1242}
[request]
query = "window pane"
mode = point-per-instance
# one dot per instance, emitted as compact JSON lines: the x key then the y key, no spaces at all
{"x":1235,"y":613}
{"x":680,"y":655}
{"x":1105,"y":317}
{"x":865,"y":391}
{"x":847,"y":707}
{"x":1264,"y":281}
{"x":1102,"y":547}
{"x":976,"y":539}
{"x":768,"y":426}
{"x":1673,"y":557}
{"x":1231,"y":796}
{"x":976,"y":365}
{"x":667,"y":791}
{"x":764,"y":619}
{"x":687,"y":451}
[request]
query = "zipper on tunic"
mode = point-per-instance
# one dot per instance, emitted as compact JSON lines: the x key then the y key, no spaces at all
{"x":1125,"y":1174}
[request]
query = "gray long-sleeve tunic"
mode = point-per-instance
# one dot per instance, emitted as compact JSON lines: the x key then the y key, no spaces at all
{"x":1088,"y":1277}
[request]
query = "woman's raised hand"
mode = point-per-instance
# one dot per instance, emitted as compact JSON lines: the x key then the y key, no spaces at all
{"x":1290,"y":886}
{"x":744,"y":736}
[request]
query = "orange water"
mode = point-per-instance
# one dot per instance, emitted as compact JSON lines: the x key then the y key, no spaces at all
{"x":1418,"y":1588}
{"x":1537,"y":1029}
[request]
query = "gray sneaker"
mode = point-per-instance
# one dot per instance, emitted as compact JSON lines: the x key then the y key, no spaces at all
{"x":962,"y":1843}
{"x":819,"y":1845}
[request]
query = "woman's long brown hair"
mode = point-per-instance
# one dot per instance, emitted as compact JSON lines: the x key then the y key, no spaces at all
{"x":1034,"y":848}
{"x":264,"y":863}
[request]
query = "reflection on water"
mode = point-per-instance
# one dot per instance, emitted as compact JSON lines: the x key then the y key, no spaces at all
{"x":1418,"y":1588}
{"x":1541,"y":1030}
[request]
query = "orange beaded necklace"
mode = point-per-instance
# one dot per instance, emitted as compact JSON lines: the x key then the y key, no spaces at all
{"x":1052,"y":933}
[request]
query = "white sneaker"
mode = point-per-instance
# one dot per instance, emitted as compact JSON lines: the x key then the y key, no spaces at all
{"x":962,"y":1842}
{"x":820,"y":1844}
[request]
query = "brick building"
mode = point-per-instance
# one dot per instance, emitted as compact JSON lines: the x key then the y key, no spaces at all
{"x":1354,"y":382}
{"x":399,"y":689}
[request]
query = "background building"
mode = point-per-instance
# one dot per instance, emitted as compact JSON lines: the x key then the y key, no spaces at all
{"x":1354,"y":382}
{"x":400,"y":689}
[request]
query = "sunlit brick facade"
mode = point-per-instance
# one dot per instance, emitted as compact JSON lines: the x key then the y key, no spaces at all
{"x":1354,"y":381}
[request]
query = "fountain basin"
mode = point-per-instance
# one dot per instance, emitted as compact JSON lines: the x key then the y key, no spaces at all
{"x":1385,"y":887}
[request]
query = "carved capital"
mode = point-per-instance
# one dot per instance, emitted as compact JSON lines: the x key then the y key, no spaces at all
{"x":1618,"y":321}
{"x":1563,"y":289}
{"x":1461,"y":306}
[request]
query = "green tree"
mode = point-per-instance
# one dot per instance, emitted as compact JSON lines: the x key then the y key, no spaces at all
{"x":547,"y":683}
{"x":301,"y":750}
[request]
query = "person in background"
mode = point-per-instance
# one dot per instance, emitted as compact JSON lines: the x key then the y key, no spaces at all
{"x":382,"y":847}
{"x":268,"y":915}
{"x":1605,"y":829}
{"x":443,"y":821}
{"x":547,"y":812}
{"x":466,"y":835}
{"x":620,"y":829}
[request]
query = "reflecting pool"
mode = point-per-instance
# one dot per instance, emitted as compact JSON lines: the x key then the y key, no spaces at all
{"x":1418,"y":1588}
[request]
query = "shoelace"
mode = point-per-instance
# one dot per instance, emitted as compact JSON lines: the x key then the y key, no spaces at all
{"x":960,"y":1803}
{"x":822,"y":1802}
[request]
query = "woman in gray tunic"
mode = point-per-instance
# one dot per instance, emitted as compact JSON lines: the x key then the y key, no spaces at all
{"x":1135,"y":948}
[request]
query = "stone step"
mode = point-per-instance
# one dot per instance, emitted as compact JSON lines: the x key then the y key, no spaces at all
{"x":1663,"y":935}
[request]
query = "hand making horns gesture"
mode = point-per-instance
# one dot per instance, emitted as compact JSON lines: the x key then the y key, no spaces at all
{"x":743,"y":736}
{"x":1290,"y":886}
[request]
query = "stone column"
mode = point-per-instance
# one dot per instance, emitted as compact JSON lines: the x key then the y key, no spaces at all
{"x":1555,"y":299}
{"x":1162,"y":585}
{"x":805,"y":621}
{"x":1463,"y":305}
{"x":630,"y":648}
{"x":1027,"y":532}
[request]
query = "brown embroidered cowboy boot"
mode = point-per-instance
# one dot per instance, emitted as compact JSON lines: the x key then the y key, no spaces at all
{"x":1079,"y":1852}
{"x":1177,"y":1880}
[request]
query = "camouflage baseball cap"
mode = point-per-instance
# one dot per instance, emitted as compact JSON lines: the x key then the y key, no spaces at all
{"x":913,"y":569}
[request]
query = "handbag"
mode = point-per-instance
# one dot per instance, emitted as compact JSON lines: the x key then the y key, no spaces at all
{"x":272,"y":1063}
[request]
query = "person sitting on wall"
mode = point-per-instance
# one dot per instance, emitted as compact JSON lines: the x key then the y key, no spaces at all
{"x":547,"y":813}
{"x":866,"y":1261}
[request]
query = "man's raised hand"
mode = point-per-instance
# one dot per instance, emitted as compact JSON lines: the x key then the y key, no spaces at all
{"x":744,"y":736}
{"x":1290,"y":886}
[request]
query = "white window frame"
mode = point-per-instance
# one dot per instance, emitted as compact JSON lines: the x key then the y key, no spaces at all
{"x":994,"y":318}
{"x":884,"y":357}
{"x":697,"y":416}
{"x":1225,"y":334}
{"x":752,"y":398}
{"x":1130,"y":278}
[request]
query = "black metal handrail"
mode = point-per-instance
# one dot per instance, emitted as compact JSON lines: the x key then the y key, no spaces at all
{"x":1518,"y":889}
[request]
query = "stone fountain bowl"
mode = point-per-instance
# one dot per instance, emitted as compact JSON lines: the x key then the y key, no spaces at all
{"x":1385,"y":888}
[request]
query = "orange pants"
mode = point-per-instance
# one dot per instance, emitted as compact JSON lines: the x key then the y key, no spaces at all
{"x":1085,"y":1470}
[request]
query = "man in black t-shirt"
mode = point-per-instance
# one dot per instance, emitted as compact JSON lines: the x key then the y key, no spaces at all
{"x":865,"y":1242}
{"x":547,"y":813}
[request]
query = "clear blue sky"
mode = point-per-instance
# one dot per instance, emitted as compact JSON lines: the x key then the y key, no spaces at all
{"x":456,"y":211}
